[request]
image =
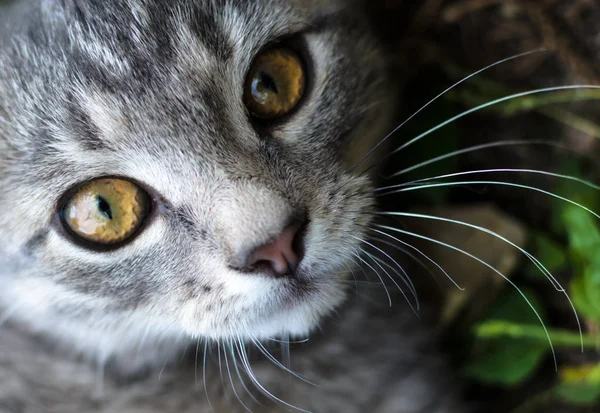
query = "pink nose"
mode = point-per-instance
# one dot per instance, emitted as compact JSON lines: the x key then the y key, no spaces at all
{"x":280,"y":256}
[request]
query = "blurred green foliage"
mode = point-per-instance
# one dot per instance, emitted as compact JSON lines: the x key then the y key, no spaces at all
{"x":510,"y":343}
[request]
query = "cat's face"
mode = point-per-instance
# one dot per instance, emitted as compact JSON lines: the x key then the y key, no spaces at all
{"x":152,"y":92}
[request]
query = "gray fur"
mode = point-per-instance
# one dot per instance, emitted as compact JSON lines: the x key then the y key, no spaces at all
{"x":151,"y":90}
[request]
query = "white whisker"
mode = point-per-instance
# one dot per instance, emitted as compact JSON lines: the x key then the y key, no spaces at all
{"x":474,"y":149}
{"x":236,"y":344}
{"x":555,"y":283}
{"x":381,"y":262}
{"x":508,"y":280}
{"x":231,"y":378}
{"x":499,"y":183}
{"x":196,"y":362}
{"x":489,"y":104}
{"x":397,"y":128}
{"x":204,"y":376}
{"x":427,"y":257}
{"x":276,"y":362}
{"x":406,"y":252}
{"x":260,"y":387}
{"x":378,"y":276}
{"x":503,"y":170}
{"x":406,"y":279}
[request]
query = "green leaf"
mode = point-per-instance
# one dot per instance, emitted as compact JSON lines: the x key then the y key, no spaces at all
{"x":584,"y":244}
{"x":494,"y":329}
{"x":504,"y":360}
{"x":551,"y":254}
{"x":580,"y":385}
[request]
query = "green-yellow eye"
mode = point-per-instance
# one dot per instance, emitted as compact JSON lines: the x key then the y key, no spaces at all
{"x":275,"y":84}
{"x":106,"y":211}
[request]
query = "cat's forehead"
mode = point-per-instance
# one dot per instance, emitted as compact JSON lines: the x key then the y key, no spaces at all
{"x":151,"y":89}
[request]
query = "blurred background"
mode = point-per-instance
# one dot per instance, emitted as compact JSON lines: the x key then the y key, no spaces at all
{"x":497,"y":342}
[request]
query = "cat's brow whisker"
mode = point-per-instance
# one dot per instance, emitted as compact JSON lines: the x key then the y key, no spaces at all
{"x":491,"y":267}
{"x":555,"y":283}
{"x":397,"y":128}
{"x":487,"y":105}
{"x":405,"y":279}
{"x":498,"y":183}
{"x":378,"y":276}
{"x":474,"y":149}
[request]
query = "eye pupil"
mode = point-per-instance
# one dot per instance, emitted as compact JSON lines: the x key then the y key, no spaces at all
{"x":268,"y":82}
{"x":105,"y":211}
{"x":104,"y":207}
{"x":275,"y":84}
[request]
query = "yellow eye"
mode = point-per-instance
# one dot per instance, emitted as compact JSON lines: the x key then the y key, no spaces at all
{"x":106,"y":211}
{"x":275,"y":84}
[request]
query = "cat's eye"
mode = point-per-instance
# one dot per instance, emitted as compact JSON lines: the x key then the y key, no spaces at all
{"x":106,"y":211}
{"x":275,"y":84}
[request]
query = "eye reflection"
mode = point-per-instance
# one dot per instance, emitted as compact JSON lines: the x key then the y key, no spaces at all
{"x":106,"y":211}
{"x":275,"y":84}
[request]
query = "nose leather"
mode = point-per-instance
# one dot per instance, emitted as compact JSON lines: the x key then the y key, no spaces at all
{"x":280,"y":255}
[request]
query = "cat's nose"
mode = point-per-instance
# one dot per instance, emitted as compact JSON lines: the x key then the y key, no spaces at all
{"x":279,"y":257}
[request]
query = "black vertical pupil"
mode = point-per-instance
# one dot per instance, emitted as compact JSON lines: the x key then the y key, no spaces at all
{"x":104,"y":207}
{"x":268,"y":81}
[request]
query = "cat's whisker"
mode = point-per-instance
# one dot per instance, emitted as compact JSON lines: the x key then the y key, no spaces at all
{"x":276,"y":362}
{"x":370,"y":283}
{"x":236,"y":344}
{"x":405,"y":279}
{"x":474,"y":149}
{"x":196,"y":362}
{"x":397,"y":128}
{"x":427,"y":257}
{"x":498,"y":170}
{"x":391,"y":268}
{"x":356,"y":253}
{"x":487,"y":105}
{"x":235,"y":393}
{"x":491,"y":267}
{"x":378,"y":276}
{"x":261,"y":388}
{"x":499,"y":183}
{"x":220,"y":363}
{"x":204,"y":376}
{"x":555,"y":283}
{"x":164,"y":366}
{"x":286,"y":356}
{"x":306,"y":340}
{"x":405,"y":252}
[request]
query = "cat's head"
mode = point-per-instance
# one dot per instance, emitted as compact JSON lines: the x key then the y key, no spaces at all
{"x":185,"y":165}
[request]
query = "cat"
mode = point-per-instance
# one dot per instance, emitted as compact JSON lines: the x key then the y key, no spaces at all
{"x":185,"y":187}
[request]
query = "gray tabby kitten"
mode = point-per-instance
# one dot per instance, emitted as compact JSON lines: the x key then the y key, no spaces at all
{"x":177,"y":195}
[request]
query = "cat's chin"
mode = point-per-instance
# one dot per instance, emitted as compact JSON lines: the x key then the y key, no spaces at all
{"x":290,"y":317}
